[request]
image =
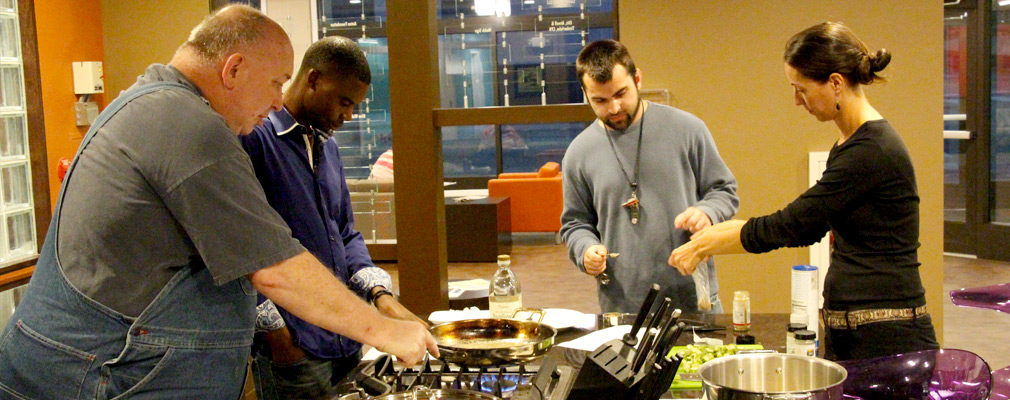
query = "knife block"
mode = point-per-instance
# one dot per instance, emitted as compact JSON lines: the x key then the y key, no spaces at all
{"x":607,"y":373}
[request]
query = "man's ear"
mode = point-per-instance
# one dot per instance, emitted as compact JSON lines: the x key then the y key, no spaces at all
{"x":312,"y":78}
{"x":231,"y":69}
{"x":638,"y":78}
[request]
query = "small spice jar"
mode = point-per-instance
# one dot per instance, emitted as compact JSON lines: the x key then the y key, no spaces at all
{"x":805,"y":343}
{"x":741,"y":310}
{"x":791,"y":329}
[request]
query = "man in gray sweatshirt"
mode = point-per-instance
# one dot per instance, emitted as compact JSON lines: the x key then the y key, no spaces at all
{"x":637,"y":183}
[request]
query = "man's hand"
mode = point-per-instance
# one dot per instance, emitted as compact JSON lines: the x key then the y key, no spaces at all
{"x":391,"y":308}
{"x":407,"y":340}
{"x":283,"y":350}
{"x":595,"y":259}
{"x":692,"y":219}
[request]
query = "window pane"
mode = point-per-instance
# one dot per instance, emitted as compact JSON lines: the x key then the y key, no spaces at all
{"x":353,"y":19}
{"x":999,"y":139}
{"x":473,"y":8}
{"x":20,"y":235}
{"x":369,"y":133}
{"x":12,"y":136}
{"x":16,"y":191}
{"x":8,"y":5}
{"x":528,"y":81}
{"x":469,"y":151}
{"x":527,"y":147}
{"x":955,"y":68}
{"x":467,"y":71}
{"x":10,"y":92}
{"x":9,"y":42}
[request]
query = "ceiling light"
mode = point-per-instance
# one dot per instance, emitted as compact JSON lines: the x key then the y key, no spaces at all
{"x":355,"y":1}
{"x":1003,"y":2}
{"x":492,"y":7}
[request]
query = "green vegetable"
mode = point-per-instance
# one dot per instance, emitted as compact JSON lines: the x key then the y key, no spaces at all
{"x":695,"y":356}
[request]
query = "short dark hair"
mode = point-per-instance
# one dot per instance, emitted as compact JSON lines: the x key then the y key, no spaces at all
{"x":220,"y":33}
{"x":598,"y":59}
{"x":336,"y":54}
{"x":830,"y":47}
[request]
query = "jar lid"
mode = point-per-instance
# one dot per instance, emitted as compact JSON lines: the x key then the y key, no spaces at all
{"x":805,"y":335}
{"x":504,"y":257}
{"x":745,"y":339}
{"x":795,"y":326}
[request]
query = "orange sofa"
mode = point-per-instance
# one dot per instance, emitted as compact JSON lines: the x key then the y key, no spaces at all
{"x":535,"y":198}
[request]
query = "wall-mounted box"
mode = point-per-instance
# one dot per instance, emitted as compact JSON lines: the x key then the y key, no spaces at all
{"x":85,"y":113}
{"x":88,"y":77}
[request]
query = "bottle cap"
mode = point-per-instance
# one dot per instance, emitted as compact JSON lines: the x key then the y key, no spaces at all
{"x":504,"y":257}
{"x":795,"y":326}
{"x":805,"y":335}
{"x":745,"y":339}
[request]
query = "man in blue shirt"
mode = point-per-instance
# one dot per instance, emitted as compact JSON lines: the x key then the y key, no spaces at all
{"x":303,"y":177}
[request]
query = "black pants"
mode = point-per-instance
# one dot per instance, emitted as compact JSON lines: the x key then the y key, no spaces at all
{"x":880,"y":339}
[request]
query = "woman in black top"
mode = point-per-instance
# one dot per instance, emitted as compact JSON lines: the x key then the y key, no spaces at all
{"x":874,"y":302}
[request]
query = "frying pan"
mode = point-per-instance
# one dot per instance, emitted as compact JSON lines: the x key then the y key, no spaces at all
{"x":486,"y":342}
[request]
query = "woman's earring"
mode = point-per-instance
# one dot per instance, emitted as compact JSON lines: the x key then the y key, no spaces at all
{"x":838,"y":107}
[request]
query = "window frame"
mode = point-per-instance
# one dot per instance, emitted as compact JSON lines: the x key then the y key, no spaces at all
{"x":34,"y":119}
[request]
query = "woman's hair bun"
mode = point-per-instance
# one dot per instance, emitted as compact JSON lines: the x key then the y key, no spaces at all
{"x":879,"y":60}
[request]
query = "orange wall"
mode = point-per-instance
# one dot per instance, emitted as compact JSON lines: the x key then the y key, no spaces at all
{"x":68,"y":30}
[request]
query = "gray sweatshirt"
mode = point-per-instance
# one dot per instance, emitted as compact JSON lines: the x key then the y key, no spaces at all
{"x":680,"y":167}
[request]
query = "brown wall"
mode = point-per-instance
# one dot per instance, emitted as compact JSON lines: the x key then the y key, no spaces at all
{"x":65,"y":37}
{"x":722,"y":61}
{"x":141,"y":32}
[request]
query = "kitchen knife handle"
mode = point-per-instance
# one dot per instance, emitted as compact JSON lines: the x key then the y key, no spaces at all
{"x":660,"y":313}
{"x":631,"y":338}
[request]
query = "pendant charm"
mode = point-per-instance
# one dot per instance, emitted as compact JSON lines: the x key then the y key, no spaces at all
{"x":632,"y":206}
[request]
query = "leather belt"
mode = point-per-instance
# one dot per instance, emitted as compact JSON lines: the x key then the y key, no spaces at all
{"x":852,"y":319}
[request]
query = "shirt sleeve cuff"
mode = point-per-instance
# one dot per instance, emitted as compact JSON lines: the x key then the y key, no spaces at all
{"x":268,"y":318}
{"x":368,"y":278}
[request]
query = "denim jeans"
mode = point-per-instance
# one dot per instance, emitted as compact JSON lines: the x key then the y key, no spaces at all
{"x":308,"y":378}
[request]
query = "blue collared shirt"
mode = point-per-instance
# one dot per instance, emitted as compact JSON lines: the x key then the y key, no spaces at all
{"x":316,"y":204}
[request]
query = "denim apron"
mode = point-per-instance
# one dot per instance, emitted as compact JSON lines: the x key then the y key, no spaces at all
{"x":191,"y":342}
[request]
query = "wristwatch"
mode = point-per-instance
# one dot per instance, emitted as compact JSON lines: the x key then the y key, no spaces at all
{"x":372,"y":297}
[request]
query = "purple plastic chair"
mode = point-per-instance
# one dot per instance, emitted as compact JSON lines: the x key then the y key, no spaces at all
{"x":1001,"y":384}
{"x":930,"y":374}
{"x":995,"y":297}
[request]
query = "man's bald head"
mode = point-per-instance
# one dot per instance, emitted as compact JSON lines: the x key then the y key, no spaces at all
{"x":239,"y":59}
{"x":229,"y":30}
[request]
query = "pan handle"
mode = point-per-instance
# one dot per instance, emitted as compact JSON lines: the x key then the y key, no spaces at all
{"x":532,"y":312}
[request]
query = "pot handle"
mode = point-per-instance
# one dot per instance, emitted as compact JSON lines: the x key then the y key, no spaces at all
{"x":789,"y":396}
{"x":532,"y":311}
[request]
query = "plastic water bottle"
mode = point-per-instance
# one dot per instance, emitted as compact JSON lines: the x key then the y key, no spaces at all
{"x":504,"y":296}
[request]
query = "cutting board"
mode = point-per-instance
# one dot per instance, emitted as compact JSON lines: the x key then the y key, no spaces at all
{"x":679,"y":384}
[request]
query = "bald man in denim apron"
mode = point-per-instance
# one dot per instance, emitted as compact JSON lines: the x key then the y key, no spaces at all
{"x":147,"y":280}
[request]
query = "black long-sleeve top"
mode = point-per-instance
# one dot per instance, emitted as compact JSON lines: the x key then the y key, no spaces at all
{"x":867,"y":197}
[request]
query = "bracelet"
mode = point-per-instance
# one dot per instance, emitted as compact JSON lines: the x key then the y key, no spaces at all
{"x":382,"y":292}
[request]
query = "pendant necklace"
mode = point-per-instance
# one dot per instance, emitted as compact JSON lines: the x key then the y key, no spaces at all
{"x":632,"y":205}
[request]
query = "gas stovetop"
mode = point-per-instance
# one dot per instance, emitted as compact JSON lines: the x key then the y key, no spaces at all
{"x":546,"y":381}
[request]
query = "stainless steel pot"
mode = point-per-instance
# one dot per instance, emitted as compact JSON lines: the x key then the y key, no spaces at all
{"x":769,"y":376}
